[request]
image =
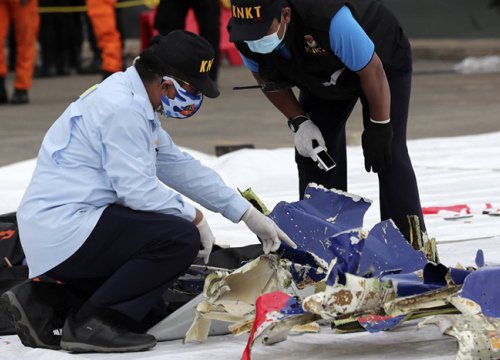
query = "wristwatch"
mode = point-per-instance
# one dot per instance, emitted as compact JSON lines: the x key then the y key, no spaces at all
{"x":295,"y":122}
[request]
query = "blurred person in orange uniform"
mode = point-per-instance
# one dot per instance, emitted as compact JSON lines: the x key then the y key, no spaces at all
{"x":102,"y":14}
{"x":24,"y":16}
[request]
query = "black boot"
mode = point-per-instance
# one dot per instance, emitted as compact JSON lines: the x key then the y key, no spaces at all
{"x":3,"y":92}
{"x":36,"y":310}
{"x":101,"y":333}
{"x":20,"y":97}
{"x":46,"y":71}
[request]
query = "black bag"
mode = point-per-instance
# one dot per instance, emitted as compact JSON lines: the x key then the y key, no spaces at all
{"x":190,"y":285}
{"x":12,"y":270}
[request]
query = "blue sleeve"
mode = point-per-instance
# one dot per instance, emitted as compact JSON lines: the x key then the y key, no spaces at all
{"x":349,"y":42}
{"x":250,"y":64}
{"x":200,"y":183}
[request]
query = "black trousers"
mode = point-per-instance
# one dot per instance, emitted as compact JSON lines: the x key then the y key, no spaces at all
{"x":60,"y":37}
{"x":171,"y":15}
{"x":129,"y":260}
{"x":398,"y":188}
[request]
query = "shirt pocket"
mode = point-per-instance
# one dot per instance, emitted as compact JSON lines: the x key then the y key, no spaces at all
{"x":59,"y":135}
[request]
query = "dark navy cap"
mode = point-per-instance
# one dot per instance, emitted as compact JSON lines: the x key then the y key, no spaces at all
{"x":251,"y":19}
{"x":184,"y":55}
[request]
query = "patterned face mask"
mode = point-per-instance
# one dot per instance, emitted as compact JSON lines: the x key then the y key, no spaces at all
{"x":184,"y":105}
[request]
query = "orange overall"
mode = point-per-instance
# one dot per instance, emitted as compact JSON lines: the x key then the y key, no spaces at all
{"x":103,"y":17}
{"x":25,"y":20}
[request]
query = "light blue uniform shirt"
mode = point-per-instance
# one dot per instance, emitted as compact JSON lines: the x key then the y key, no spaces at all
{"x":108,"y":148}
{"x":348,"y":41}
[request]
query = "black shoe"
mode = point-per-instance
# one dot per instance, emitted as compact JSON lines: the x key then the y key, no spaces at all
{"x":63,"y":70}
{"x":45,"y":71}
{"x":20,"y":97}
{"x":36,"y":310}
{"x":99,"y":334}
{"x":3,"y":97}
{"x":93,"y":68}
{"x":3,"y":92}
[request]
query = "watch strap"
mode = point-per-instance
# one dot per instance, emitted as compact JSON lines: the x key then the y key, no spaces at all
{"x":295,"y":122}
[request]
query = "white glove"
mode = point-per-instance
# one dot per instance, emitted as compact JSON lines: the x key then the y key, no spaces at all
{"x":266,"y":229}
{"x":207,"y":239}
{"x":304,"y":137}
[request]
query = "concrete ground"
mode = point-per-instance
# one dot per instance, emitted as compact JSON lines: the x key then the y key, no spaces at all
{"x":443,"y":104}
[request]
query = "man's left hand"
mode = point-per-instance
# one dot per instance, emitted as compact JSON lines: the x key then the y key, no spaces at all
{"x":376,"y":141}
{"x":207,"y":239}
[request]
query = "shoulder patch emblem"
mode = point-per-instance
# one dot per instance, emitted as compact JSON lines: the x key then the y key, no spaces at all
{"x":88,"y":91}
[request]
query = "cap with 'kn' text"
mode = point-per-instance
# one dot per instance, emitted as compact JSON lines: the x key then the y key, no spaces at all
{"x":183,"y":55}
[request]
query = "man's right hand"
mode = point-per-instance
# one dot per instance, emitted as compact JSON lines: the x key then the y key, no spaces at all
{"x":267,"y":230}
{"x":304,"y":137}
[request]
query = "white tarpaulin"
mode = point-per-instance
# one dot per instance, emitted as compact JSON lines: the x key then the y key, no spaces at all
{"x":461,"y":170}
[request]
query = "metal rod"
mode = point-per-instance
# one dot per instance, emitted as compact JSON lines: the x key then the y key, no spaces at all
{"x":247,"y":87}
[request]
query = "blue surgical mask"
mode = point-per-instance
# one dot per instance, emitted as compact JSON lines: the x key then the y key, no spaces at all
{"x":184,"y":104}
{"x":266,"y":44}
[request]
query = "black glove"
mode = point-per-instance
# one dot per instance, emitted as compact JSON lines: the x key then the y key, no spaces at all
{"x":376,"y":141}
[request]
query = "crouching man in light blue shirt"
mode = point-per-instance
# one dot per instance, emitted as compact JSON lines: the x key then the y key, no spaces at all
{"x":97,"y":216}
